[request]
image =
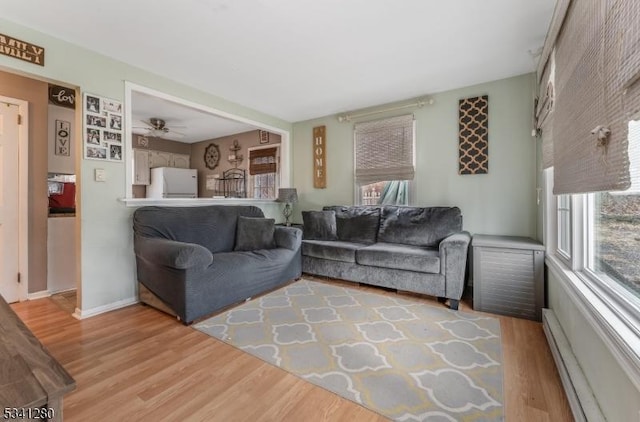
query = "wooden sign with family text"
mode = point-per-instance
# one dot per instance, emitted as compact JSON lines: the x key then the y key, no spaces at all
{"x":319,"y":157}
{"x":21,"y":50}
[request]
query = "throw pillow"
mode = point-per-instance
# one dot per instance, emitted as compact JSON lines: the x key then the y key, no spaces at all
{"x":357,"y":224}
{"x":418,"y":226}
{"x":255,"y":233}
{"x":319,"y":225}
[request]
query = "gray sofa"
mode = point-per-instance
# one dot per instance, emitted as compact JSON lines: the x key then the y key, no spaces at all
{"x":193,"y":261}
{"x":422,"y":250}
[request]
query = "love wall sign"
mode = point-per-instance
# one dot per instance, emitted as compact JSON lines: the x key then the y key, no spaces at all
{"x":320,"y":157}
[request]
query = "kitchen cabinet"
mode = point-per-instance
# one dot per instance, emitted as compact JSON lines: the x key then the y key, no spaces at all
{"x":168,"y":159}
{"x":181,"y":161}
{"x":160,"y":159}
{"x":145,"y":159}
{"x":141,"y":167}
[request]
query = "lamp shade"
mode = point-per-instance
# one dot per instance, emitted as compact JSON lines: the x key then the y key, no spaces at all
{"x":288,"y":195}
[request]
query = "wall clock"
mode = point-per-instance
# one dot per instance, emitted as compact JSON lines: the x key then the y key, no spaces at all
{"x":211,"y":156}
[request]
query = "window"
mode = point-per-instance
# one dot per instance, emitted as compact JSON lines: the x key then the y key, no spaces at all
{"x":384,"y":155}
{"x":264,"y":186}
{"x":613,"y":249}
{"x":263,"y":172}
{"x":564,"y":225}
{"x":389,"y":192}
{"x":598,"y":240}
{"x":614,"y":238}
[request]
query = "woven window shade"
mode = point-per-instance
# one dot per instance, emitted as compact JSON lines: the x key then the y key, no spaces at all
{"x":629,"y":71}
{"x":384,"y":150}
{"x":596,"y":63}
{"x":559,"y":13}
{"x":544,"y":111}
{"x":262,"y":161}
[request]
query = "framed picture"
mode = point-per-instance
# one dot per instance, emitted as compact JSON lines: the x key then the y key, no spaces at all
{"x":103,"y":123}
{"x":115,"y":152}
{"x":264,"y":137}
{"x":112,"y":106}
{"x":111,"y":136}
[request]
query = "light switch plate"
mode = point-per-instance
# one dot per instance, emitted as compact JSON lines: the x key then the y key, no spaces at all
{"x":100,"y":175}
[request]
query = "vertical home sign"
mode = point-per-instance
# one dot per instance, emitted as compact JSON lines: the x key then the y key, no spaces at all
{"x":319,"y":157}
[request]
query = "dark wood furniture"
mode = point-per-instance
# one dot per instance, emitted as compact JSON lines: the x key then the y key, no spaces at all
{"x":32,"y":382}
{"x":235,"y":183}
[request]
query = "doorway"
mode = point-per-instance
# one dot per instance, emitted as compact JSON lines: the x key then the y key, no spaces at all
{"x":34,"y":95}
{"x":13,"y":198}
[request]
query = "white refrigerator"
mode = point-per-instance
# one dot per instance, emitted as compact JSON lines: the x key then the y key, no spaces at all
{"x":170,"y":182}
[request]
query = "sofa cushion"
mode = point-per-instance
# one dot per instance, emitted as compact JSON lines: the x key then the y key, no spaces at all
{"x":401,"y":257}
{"x":358,"y":224}
{"x":319,"y":225}
{"x":418,"y":226}
{"x":255,"y":233}
{"x":334,"y":250}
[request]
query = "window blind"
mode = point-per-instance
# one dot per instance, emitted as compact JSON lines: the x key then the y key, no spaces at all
{"x":597,"y":61}
{"x":559,"y":13}
{"x":262,"y":161}
{"x":384,"y":150}
{"x":544,"y":111}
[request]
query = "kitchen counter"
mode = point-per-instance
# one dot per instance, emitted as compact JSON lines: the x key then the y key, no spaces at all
{"x":139,"y":202}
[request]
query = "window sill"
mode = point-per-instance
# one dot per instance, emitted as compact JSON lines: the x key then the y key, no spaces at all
{"x":178,"y":202}
{"x":617,"y":326}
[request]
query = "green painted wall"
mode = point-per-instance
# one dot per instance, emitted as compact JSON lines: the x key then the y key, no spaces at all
{"x":500,"y":202}
{"x":617,"y":396}
{"x":108,"y":266}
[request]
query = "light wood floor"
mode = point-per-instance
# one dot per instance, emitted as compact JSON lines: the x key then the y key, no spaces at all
{"x":66,"y":300}
{"x":139,"y":364}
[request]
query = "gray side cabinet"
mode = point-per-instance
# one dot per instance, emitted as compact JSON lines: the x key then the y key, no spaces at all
{"x":508,"y":275}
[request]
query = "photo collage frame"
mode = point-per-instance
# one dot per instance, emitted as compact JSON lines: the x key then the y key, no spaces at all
{"x":102,"y":128}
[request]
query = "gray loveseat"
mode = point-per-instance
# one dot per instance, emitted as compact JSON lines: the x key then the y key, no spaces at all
{"x":422,"y":250}
{"x":193,"y":261}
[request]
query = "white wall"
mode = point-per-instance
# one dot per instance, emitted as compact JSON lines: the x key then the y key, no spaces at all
{"x":500,"y":202}
{"x":61,"y":254}
{"x":617,"y":396}
{"x":108,"y":265}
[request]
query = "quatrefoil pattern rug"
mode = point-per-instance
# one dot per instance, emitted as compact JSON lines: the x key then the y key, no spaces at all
{"x":401,"y":358}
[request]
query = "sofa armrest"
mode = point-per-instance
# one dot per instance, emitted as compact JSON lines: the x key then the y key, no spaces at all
{"x":173,"y":254}
{"x":453,"y":258}
{"x":288,"y":237}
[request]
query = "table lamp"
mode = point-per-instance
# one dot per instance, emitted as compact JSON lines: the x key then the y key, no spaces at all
{"x":288,"y":196}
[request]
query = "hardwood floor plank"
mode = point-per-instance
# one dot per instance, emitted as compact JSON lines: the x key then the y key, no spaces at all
{"x":139,"y":364}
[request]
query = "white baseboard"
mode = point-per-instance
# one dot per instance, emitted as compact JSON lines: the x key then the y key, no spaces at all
{"x":579,"y":394}
{"x":38,"y":295}
{"x":86,"y":313}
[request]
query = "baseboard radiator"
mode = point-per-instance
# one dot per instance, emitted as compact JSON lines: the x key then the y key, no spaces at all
{"x":583,"y":404}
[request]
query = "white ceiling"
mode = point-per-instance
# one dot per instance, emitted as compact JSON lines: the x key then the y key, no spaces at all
{"x":300,"y":59}
{"x":194,"y":125}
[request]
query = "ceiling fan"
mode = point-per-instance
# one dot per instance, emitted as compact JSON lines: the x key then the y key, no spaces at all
{"x":158,"y":128}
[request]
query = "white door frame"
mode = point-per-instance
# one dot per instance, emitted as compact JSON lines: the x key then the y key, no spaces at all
{"x":23,"y":197}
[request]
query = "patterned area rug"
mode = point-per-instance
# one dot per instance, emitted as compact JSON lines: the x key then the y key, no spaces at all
{"x":401,"y":358}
